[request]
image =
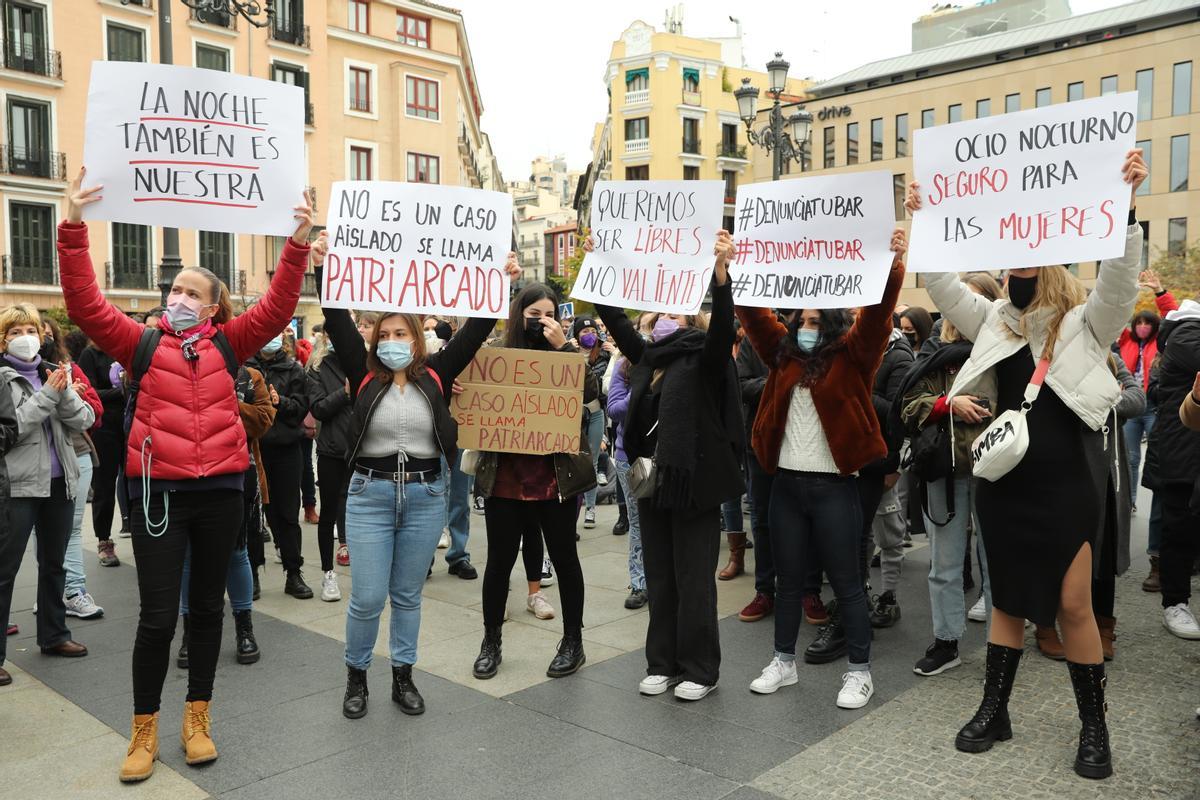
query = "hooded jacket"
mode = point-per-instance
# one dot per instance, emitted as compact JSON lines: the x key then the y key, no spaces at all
{"x":287,"y":376}
{"x":1173,"y":452}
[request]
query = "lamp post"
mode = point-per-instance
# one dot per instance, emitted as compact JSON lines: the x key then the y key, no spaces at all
{"x":782,"y":137}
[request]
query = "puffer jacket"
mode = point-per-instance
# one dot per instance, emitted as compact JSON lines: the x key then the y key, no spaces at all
{"x":28,"y":461}
{"x":287,"y":376}
{"x":187,"y":414}
{"x":330,"y":404}
{"x":1173,"y":452}
{"x":1079,"y":372}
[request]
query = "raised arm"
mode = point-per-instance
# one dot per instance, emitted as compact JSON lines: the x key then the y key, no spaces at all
{"x":1111,"y":302}
{"x":457,"y":353}
{"x":104,"y":323}
{"x":868,"y":337}
{"x":626,"y":337}
{"x":718,"y":342}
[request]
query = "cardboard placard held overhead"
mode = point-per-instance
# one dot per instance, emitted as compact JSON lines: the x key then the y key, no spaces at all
{"x":194,"y":148}
{"x":819,"y":242}
{"x":417,"y":248}
{"x":521,"y":401}
{"x":1025,"y":189}
{"x":654,"y":244}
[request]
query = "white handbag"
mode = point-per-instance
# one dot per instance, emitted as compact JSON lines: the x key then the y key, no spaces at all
{"x":469,"y":462}
{"x":1003,"y":444}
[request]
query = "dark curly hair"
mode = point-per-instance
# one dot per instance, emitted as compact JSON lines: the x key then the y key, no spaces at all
{"x":835,"y":324}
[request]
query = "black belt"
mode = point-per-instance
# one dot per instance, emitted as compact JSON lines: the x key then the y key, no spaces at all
{"x":391,"y":468}
{"x":422,"y":476}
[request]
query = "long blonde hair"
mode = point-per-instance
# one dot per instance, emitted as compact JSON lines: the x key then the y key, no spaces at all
{"x":1058,"y":291}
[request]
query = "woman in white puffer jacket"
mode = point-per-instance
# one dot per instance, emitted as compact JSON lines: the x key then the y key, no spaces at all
{"x":1039,"y":521}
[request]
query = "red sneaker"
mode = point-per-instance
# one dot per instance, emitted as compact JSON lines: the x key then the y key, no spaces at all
{"x":814,"y":610}
{"x":343,"y":555}
{"x":759,"y":607}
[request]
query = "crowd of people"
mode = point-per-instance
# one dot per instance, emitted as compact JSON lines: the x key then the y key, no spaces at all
{"x":839,"y":433}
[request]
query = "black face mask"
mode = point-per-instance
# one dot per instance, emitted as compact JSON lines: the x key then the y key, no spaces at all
{"x":1021,"y":290}
{"x":49,"y":351}
{"x":535,"y":332}
{"x":911,"y":336}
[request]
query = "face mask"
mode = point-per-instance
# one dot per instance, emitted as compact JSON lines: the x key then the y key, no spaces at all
{"x":1020,"y":290}
{"x":273,"y":346}
{"x":49,"y":350}
{"x":911,"y":336}
{"x":588,"y":340}
{"x":430,"y":336}
{"x":25,"y":347}
{"x":1143,"y":331}
{"x":183,"y":313}
{"x":534,"y":330}
{"x":394,"y":355}
{"x":807,"y":340}
{"x":330,"y":347}
{"x":663,"y":328}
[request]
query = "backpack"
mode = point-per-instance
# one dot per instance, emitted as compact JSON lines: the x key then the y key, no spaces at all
{"x":930,"y":459}
{"x":146,"y":347}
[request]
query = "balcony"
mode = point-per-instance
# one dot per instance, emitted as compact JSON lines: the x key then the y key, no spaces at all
{"x":691,"y":98}
{"x":637,"y":147}
{"x":691,"y":146}
{"x":33,"y":163}
{"x":222,"y":19}
{"x":732,"y":151}
{"x":290,"y":32}
{"x":19,"y":269}
{"x":637,"y":97}
{"x":360,"y":103}
{"x":34,"y":60}
{"x":129,"y":276}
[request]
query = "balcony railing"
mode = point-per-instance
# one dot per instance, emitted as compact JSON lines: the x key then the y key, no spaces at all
{"x":362,"y":104}
{"x":691,"y":98}
{"x":290,"y":31}
{"x":33,"y":163}
{"x":25,"y":270}
{"x":691,"y":145}
{"x":34,"y":60}
{"x":128,"y":276}
{"x":309,"y":114}
{"x":635,"y":147}
{"x":637,"y":97}
{"x":222,"y":19}
{"x":146,"y":4}
{"x":728,"y":150}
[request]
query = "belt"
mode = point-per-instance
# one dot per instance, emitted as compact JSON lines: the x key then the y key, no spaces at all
{"x":420,"y":476}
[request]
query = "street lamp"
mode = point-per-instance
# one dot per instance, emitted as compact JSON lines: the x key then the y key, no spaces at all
{"x":249,"y":10}
{"x":782,"y":137}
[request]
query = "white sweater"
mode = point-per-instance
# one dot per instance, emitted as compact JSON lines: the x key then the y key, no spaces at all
{"x":805,"y":448}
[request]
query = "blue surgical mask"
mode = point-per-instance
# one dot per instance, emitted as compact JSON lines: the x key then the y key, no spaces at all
{"x":664,"y":328}
{"x":330,"y":345}
{"x":807,"y":340}
{"x":273,"y":346}
{"x":394,"y":355}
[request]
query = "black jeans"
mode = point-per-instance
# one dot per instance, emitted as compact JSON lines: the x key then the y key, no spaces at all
{"x":507,"y":522}
{"x":209,"y":521}
{"x":333,"y":478}
{"x":870,"y":492}
{"x":283,"y":465}
{"x":1180,"y":539}
{"x":53,"y":516}
{"x":760,"y":528}
{"x":679,"y":552}
{"x":308,"y":489}
{"x":110,"y":450}
{"x":823,"y":512}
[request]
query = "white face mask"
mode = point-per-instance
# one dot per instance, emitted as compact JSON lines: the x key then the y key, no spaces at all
{"x":25,"y":347}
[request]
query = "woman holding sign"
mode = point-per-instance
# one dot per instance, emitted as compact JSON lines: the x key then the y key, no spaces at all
{"x":1049,"y":503}
{"x":186,"y":457}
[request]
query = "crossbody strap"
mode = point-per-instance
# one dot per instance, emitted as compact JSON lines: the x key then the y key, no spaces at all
{"x":1035,"y":383}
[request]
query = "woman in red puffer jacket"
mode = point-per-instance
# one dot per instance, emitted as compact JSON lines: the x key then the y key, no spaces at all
{"x":185,"y":460}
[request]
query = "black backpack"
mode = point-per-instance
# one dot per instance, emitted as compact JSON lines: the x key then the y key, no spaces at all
{"x":146,"y":347}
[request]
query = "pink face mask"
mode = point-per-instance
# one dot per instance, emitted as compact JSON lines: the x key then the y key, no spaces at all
{"x":1142,"y":331}
{"x":183,"y":313}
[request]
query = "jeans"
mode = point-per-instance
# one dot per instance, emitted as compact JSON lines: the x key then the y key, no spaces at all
{"x":1135,"y":429}
{"x":594,"y":429}
{"x":110,"y":452}
{"x":822,"y":511}
{"x":731,"y":516}
{"x":52,"y":516}
{"x":308,"y":489}
{"x":76,"y":580}
{"x":239,"y":581}
{"x":888,"y":527}
{"x":761,"y":482}
{"x":637,"y":570}
{"x":284,"y":465}
{"x":393,"y":530}
{"x":947,"y":545}
{"x":333,"y":475}
{"x":870,"y":492}
{"x":1180,"y":543}
{"x":458,"y":510}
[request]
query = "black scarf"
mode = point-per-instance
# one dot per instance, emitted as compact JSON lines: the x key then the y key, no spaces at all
{"x":935,"y":355}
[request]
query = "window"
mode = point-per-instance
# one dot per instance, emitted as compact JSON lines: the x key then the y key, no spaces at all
{"x":359,"y":16}
{"x":691,"y":135}
{"x":125,"y":44}
{"x":730,"y":177}
{"x":727,"y":223}
{"x":983,"y":108}
{"x":360,"y":163}
{"x":31,"y":250}
{"x":691,"y":80}
{"x":360,"y":89}
{"x":28,"y":139}
{"x":1181,"y":89}
{"x":1042,"y":98}
{"x":25,"y":40}
{"x":691,"y":173}
{"x":1074,"y":91}
{"x":216,"y":255}
{"x":212,"y":58}
{"x":637,"y":80}
{"x":637,"y":128}
{"x":729,"y":140}
{"x":1144,"y":80}
{"x":1145,"y":187}
{"x":927,"y":118}
{"x":294,"y":76}
{"x":412,"y":31}
{"x":898,"y":190}
{"x":1012,"y":102}
{"x":423,"y":168}
{"x":1176,"y":236}
{"x":421,"y":98}
{"x":954,"y":113}
{"x":852,"y":143}
{"x":130,"y":256}
{"x":877,"y":139}
{"x":829,"y":155}
{"x":1108,"y":85}
{"x":901,"y":135}
{"x":640,"y":173}
{"x":1179,"y":163}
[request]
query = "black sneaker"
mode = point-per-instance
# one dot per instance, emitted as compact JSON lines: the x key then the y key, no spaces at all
{"x":621,"y":527}
{"x":885,"y":612}
{"x":637,"y":598}
{"x":296,"y":587}
{"x":830,"y":644}
{"x":464,"y":570}
{"x":939,"y":657}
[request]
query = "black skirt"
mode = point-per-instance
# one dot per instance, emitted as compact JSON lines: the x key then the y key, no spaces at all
{"x":1035,"y":519}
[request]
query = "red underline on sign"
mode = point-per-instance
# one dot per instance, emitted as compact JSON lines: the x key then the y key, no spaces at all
{"x":182,"y":200}
{"x":193,"y":163}
{"x":201,"y":122}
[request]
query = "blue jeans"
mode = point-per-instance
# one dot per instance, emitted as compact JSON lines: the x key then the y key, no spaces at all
{"x":458,"y":510}
{"x":393,"y":530}
{"x":637,"y":570}
{"x":731,"y":516}
{"x":239,"y":581}
{"x":948,"y":545}
{"x":1135,"y":428}
{"x":594,"y":428}
{"x":76,"y":581}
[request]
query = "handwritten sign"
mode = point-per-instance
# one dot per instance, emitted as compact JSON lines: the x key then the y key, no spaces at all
{"x":818,"y":242}
{"x":417,"y":248}
{"x":654,"y":244}
{"x":190,"y":147}
{"x":1025,"y":189}
{"x":521,"y":401}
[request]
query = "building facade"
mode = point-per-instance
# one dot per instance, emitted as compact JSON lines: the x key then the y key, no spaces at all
{"x":560,"y":244}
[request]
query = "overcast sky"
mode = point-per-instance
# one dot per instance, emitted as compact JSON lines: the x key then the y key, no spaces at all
{"x":541,"y":63}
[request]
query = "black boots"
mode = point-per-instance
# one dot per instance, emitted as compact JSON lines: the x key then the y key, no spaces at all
{"x":570,"y":656}
{"x":1093,"y":759}
{"x":404,"y":691}
{"x":354,"y":705}
{"x":257,"y":588}
{"x":489,"y":658}
{"x":247,"y":647}
{"x":296,"y":587}
{"x":621,"y":527}
{"x":181,"y":660}
{"x":991,"y":722}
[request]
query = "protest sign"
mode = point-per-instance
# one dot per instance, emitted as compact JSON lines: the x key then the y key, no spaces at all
{"x":1025,"y":189}
{"x":818,"y":242}
{"x":418,"y":248}
{"x":521,"y":401}
{"x":654,"y":244}
{"x":195,"y":148}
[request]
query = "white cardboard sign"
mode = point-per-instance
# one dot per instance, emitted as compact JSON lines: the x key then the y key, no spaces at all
{"x":194,"y":148}
{"x":820,"y":242}
{"x":654,"y":244}
{"x":417,"y":248}
{"x":1025,"y":189}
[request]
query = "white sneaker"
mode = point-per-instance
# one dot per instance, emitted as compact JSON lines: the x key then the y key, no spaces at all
{"x":693,"y":691}
{"x":656,"y":684}
{"x":1179,"y":621}
{"x":124,"y":534}
{"x":330,"y":592}
{"x":444,"y":542}
{"x":778,"y":673}
{"x":978,"y":612}
{"x":83,"y":606}
{"x":856,"y":689}
{"x":539,"y":606}
{"x":547,"y":573}
{"x":278,"y":556}
{"x":601,"y":479}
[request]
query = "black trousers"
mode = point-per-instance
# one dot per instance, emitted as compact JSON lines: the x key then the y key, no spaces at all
{"x":254,"y":521}
{"x":1180,"y":540}
{"x":870,"y":492}
{"x":510,"y":520}
{"x":679,"y":552}
{"x":308,"y":489}
{"x":333,"y":478}
{"x":110,"y":450}
{"x":283,"y":465}
{"x":209,"y":521}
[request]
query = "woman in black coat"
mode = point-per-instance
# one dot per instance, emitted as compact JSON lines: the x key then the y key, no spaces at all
{"x":329,"y":395}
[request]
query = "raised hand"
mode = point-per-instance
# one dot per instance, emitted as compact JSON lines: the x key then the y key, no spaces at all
{"x":1148,"y":279}
{"x":304,"y":219}
{"x":1134,"y":171}
{"x":78,"y":197}
{"x":320,"y":248}
{"x":512,"y":267}
{"x":899,"y":244}
{"x":912,"y":198}
{"x":589,"y":244}
{"x":723,"y":250}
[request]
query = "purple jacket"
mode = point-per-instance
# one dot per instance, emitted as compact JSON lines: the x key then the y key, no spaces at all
{"x":618,"y":405}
